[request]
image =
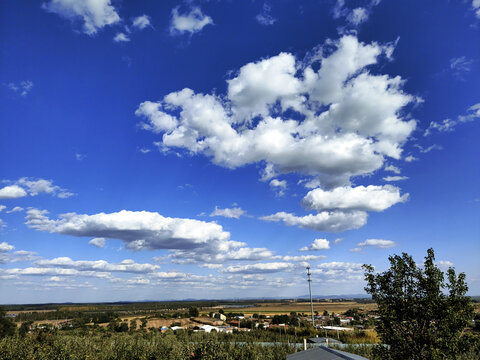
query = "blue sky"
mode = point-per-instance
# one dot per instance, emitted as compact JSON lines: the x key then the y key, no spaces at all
{"x":211,"y":149}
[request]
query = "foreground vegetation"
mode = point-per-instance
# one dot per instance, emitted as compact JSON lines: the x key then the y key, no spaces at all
{"x":46,"y":345}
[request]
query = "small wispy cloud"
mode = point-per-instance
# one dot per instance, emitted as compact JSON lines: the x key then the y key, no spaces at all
{"x":141,"y":22}
{"x":21,"y":88}
{"x":448,"y":125}
{"x":265,"y":18}
{"x":121,"y":37}
{"x":318,"y":244}
{"x":460,"y":66}
{"x":191,"y":22}
{"x":395,"y":178}
{"x":279,"y":186}
{"x":235,"y":212}
{"x":376,"y":243}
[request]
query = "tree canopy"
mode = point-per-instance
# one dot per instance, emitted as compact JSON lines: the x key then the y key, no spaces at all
{"x":422,"y":316}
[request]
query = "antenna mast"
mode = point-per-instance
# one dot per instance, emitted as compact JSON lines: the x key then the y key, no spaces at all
{"x":310,"y":290}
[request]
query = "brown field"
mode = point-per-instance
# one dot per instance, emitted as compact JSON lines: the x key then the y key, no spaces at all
{"x":286,"y":308}
{"x":27,"y":311}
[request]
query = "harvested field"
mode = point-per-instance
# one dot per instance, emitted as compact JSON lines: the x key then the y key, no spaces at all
{"x":158,"y":323}
{"x":276,"y":308}
{"x":27,"y":311}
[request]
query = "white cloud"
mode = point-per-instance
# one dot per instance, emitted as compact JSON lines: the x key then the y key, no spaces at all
{"x":103,"y":266}
{"x":444,"y":264}
{"x":352,"y":118}
{"x":12,"y":192}
{"x":378,"y":243}
{"x":268,"y":172}
{"x":121,"y":37}
{"x":393,"y":169}
{"x":356,"y":249}
{"x":95,"y":14}
{"x":338,"y":241}
{"x":191,"y":22}
{"x":140,"y":230}
{"x":427,"y":149}
{"x":211,"y":266}
{"x":473,"y":113}
{"x":448,"y":125}
{"x":476,"y":7}
{"x":141,"y":22}
{"x":24,"y":255}
{"x":444,"y":126}
{"x":331,"y":221}
{"x":369,"y":198}
{"x":234,"y":212}
{"x":460,"y":66}
{"x":44,"y":271}
{"x":410,"y":158}
{"x":5,"y":247}
{"x":395,"y":178}
{"x":240,"y":254}
{"x":28,"y":186}
{"x":357,"y":16}
{"x":21,"y":87}
{"x":80,"y":157}
{"x":348,"y":122}
{"x":303,"y":258}
{"x":279,"y":185}
{"x":318,"y":244}
{"x":2,"y":207}
{"x":259,"y":268}
{"x":339,"y":265}
{"x":97,"y":242}
{"x":265,"y":18}
{"x":338,"y":272}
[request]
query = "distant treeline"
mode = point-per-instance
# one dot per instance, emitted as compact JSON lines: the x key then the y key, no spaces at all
{"x":87,"y":317}
{"x":166,"y":305}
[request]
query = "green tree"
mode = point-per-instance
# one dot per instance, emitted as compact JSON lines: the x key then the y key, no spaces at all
{"x":421,"y":315}
{"x":7,"y":327}
{"x":193,"y":311}
{"x":24,"y":328}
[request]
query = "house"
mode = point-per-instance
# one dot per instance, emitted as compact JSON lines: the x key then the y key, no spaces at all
{"x":209,"y":328}
{"x":324,"y":353}
{"x":235,"y":323}
{"x":219,"y":316}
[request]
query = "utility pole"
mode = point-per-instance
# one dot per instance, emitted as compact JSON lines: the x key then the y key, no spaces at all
{"x":310,"y":290}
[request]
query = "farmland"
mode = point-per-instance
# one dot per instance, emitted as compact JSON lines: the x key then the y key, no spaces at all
{"x":276,"y":308}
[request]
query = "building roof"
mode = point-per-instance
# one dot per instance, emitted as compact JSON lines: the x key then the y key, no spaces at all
{"x":323,"y":353}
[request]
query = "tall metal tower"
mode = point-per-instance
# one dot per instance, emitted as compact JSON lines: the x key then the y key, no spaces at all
{"x":310,"y":290}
